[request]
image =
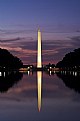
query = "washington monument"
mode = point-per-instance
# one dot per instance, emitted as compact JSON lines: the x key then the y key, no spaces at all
{"x":39,"y":61}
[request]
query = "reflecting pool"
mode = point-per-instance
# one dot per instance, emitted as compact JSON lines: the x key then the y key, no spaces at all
{"x":40,"y":96}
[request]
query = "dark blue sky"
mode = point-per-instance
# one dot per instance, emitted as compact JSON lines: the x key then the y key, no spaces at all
{"x":57,"y":19}
{"x":52,"y":13}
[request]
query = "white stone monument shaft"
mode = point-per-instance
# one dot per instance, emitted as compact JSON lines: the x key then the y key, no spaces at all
{"x":39,"y":63}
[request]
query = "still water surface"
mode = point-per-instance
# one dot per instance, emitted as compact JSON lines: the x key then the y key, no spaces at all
{"x":40,"y":96}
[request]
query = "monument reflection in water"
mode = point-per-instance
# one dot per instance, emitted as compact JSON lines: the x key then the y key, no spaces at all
{"x":39,"y":84}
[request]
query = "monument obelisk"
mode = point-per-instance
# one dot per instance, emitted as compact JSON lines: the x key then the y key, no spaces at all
{"x":39,"y":63}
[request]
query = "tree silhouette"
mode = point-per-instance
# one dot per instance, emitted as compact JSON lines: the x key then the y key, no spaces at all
{"x":8,"y":61}
{"x":71,"y":59}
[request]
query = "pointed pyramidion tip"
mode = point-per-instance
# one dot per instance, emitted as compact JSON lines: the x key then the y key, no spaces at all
{"x":38,"y":29}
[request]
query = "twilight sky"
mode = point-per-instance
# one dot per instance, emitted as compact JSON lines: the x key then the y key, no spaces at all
{"x":59,"y":21}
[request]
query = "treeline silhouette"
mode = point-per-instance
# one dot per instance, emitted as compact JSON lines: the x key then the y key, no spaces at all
{"x":8,"y":80}
{"x":8,"y":61}
{"x":70,"y":80}
{"x":70,"y":61}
